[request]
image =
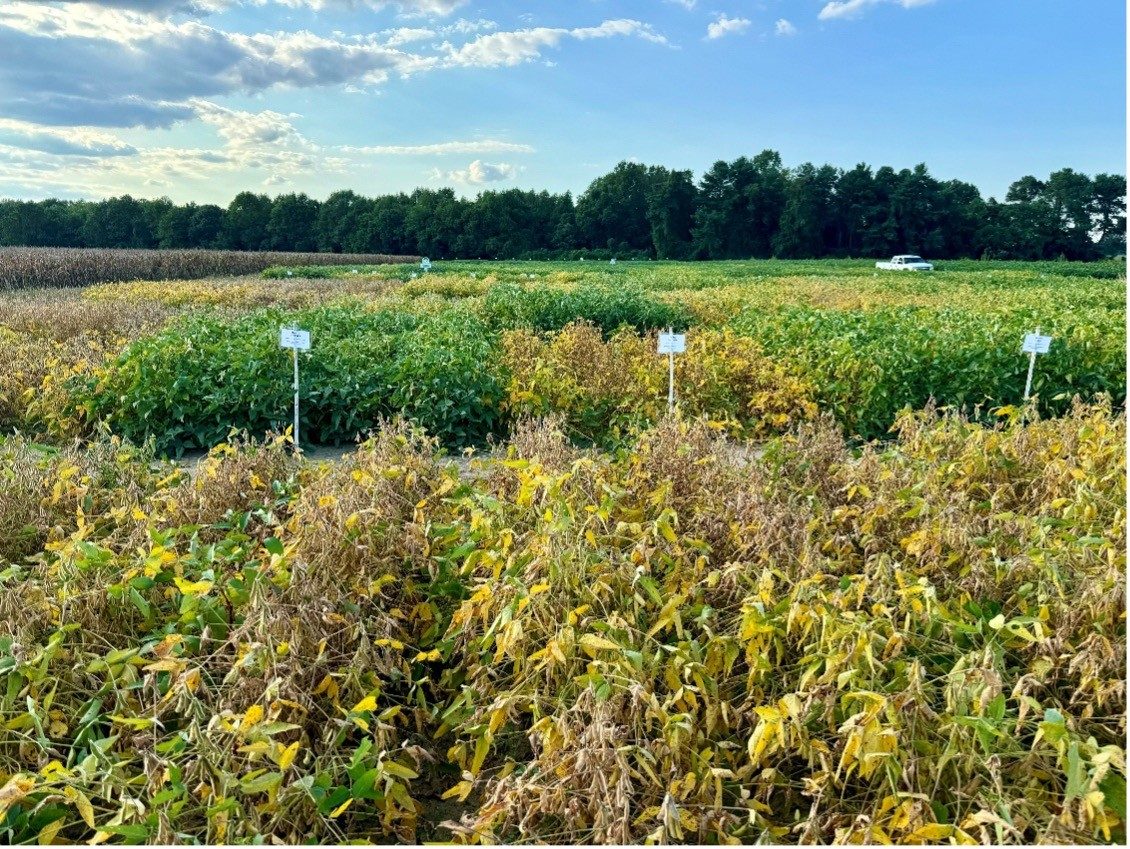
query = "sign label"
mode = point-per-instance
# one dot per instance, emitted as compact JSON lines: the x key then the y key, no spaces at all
{"x":672,"y":343}
{"x":290,"y":337}
{"x":1034,"y":343}
{"x":426,"y":264}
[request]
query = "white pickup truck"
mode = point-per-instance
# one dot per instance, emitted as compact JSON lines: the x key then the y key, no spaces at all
{"x":905,"y":262}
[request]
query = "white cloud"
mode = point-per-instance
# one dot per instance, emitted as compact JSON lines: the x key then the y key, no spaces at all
{"x":73,"y":72}
{"x":463,"y":26}
{"x":724,"y":25}
{"x":484,"y":172}
{"x":407,"y":35}
{"x":854,"y":8}
{"x":108,"y":67}
{"x":94,"y":65}
{"x":74,"y":141}
{"x":785,"y":27}
{"x":159,"y":8}
{"x":149,"y":7}
{"x":407,"y":8}
{"x":686,"y":4}
{"x":442,"y":148}
{"x":513,"y":48}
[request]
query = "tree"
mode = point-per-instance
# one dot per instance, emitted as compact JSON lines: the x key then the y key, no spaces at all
{"x":1108,"y":209}
{"x":207,"y":227}
{"x":1071,"y":196}
{"x":808,"y":221}
{"x":174,"y":230}
{"x":245,"y":225}
{"x":671,"y":197}
{"x":750,"y":207}
{"x":119,"y":222}
{"x":612,"y":212}
{"x":740,"y":206}
{"x":339,"y":220}
{"x":435,"y":220}
{"x":382,"y":226}
{"x":856,"y":209}
{"x":290,"y":226}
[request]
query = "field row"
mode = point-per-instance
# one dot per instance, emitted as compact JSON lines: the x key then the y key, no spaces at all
{"x":681,"y":641}
{"x":28,"y":268}
{"x":465,"y":353}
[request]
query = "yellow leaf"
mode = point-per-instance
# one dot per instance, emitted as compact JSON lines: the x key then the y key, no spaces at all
{"x":168,"y":665}
{"x":460,"y":791}
{"x":367,"y":703}
{"x":193,"y":588}
{"x":137,"y":723}
{"x":287,"y":755}
{"x":399,"y":770}
{"x":17,"y":788}
{"x":340,"y":809}
{"x":497,"y":717}
{"x":252,"y":717}
{"x":933,"y":831}
{"x":84,"y":808}
{"x":591,"y":643}
{"x":47,"y":834}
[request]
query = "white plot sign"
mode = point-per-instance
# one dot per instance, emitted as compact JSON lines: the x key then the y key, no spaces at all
{"x":1034,"y":343}
{"x":292,"y":337}
{"x":426,"y":264}
{"x":297,"y":340}
{"x":672,"y":343}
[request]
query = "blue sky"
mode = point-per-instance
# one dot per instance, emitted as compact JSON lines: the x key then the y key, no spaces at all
{"x":200,"y":99}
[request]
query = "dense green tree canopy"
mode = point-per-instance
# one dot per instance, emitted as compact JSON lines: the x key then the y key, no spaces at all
{"x":750,"y":207}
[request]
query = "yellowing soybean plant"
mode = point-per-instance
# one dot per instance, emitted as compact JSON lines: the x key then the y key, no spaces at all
{"x":854,"y":590}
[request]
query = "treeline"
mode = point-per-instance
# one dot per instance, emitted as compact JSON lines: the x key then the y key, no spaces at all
{"x":748,"y":208}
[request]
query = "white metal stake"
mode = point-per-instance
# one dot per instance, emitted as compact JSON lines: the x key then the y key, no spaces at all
{"x":671,"y":378}
{"x":1031,"y":369}
{"x":295,"y":352}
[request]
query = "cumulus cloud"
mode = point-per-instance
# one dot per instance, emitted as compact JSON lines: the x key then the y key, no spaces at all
{"x":151,"y":7}
{"x":513,"y":48}
{"x":264,"y":144}
{"x":117,"y":68}
{"x":71,"y":142}
{"x":854,"y":8}
{"x":407,"y":8}
{"x":442,"y":148}
{"x":484,"y":172}
{"x":407,"y":35}
{"x":71,"y":110}
{"x":785,"y":27}
{"x":724,"y":25}
{"x":73,"y":72}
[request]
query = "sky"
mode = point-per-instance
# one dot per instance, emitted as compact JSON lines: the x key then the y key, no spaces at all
{"x":197,"y":100}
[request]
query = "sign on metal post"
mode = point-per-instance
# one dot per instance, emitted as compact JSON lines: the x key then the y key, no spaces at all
{"x":670,"y":344}
{"x":297,"y":340}
{"x":1034,"y":344}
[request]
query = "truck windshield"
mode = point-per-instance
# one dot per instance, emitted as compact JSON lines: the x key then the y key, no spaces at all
{"x":912,"y":259}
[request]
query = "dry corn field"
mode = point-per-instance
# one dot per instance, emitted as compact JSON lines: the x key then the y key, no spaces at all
{"x":25,"y":268}
{"x":847,"y":593}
